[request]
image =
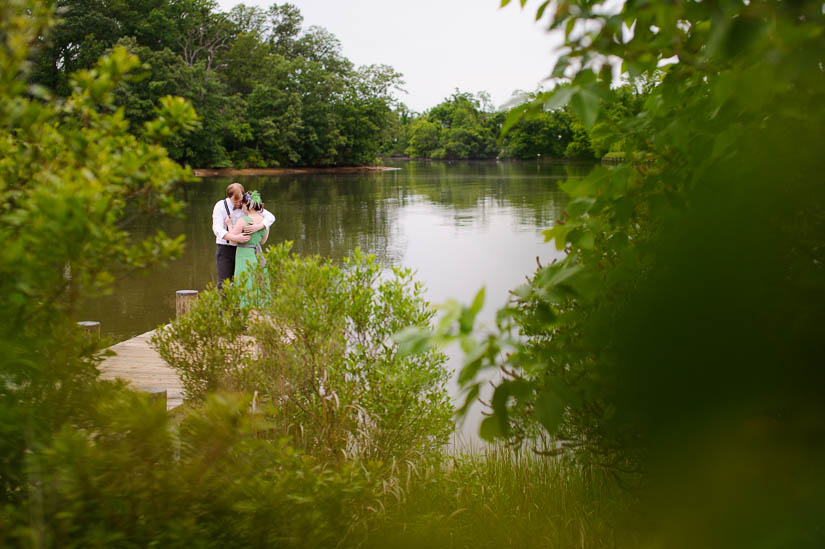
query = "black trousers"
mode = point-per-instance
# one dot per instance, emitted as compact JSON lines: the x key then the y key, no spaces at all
{"x":225,"y":259}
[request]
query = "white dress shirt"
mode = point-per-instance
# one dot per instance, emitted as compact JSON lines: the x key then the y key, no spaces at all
{"x":219,"y":215}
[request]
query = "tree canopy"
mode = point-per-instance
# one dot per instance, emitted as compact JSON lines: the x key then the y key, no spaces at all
{"x":268,"y":91}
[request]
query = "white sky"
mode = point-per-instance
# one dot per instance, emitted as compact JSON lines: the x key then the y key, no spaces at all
{"x":438,"y":45}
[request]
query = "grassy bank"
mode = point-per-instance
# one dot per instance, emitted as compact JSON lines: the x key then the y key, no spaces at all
{"x":502,"y":498}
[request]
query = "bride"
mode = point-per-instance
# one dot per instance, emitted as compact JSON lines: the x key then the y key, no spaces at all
{"x":246,"y":259}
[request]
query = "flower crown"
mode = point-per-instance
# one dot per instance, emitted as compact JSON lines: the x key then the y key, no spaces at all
{"x":253,"y":197}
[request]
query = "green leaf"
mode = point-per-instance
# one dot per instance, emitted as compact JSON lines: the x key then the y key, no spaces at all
{"x":501,"y":397}
{"x":549,"y":410}
{"x":541,"y":9}
{"x":585,"y":105}
{"x":585,"y":78}
{"x":467,"y":343}
{"x":586,"y":186}
{"x":579,"y":206}
{"x":545,"y":315}
{"x":469,"y":399}
{"x":478,"y":301}
{"x":561,"y":65}
{"x":473,"y":362}
{"x":558,"y":234}
{"x":490,"y":429}
{"x":559,"y":97}
{"x":581,"y":238}
{"x":556,"y":275}
{"x":504,"y":314}
{"x":524,"y":290}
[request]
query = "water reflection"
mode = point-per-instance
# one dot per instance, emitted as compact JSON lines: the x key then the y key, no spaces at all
{"x":460,"y":225}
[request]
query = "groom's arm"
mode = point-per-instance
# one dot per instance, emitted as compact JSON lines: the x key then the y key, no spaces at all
{"x":269,"y":219}
{"x":220,"y":229}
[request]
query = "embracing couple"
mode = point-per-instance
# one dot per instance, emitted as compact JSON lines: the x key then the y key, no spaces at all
{"x":241,"y":225}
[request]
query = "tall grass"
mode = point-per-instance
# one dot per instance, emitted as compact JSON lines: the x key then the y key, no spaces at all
{"x":503,"y":498}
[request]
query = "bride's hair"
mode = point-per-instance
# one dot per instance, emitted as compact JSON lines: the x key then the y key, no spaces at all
{"x":252,"y":200}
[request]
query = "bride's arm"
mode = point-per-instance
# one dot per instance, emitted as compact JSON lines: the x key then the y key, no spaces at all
{"x":266,"y":235}
{"x":237,"y":228}
{"x":267,"y":219}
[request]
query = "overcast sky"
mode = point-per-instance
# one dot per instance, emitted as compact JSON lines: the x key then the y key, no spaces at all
{"x":438,"y":45}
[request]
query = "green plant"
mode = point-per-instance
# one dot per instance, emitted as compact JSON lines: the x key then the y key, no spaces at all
{"x":679,"y":342}
{"x":325,"y":365}
{"x":128,"y":475}
{"x":72,"y":178}
{"x":501,"y":497}
{"x":206,"y":346}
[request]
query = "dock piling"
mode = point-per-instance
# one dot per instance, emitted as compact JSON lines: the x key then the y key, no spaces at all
{"x":184,"y":300}
{"x":91,"y":328}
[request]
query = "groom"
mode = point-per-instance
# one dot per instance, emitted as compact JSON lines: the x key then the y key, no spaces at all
{"x":230,"y":208}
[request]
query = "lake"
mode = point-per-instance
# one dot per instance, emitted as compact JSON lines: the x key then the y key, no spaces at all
{"x":460,"y":225}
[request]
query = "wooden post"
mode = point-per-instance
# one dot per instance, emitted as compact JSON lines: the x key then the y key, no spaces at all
{"x":91,"y":328}
{"x":156,"y":395}
{"x":184,"y":300}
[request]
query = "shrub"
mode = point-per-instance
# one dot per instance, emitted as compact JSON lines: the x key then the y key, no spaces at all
{"x":325,"y":365}
{"x":206,"y":346}
{"x":129,"y":476}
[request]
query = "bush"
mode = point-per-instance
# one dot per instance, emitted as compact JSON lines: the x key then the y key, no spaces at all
{"x":206,"y":347}
{"x":128,"y":476}
{"x":325,"y":366}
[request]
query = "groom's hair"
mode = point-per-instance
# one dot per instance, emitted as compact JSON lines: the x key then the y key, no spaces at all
{"x":235,"y":190}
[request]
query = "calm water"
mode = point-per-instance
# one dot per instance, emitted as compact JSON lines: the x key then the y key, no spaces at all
{"x":460,"y":225}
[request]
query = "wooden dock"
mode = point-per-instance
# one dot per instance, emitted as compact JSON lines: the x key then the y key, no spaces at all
{"x":142,"y":367}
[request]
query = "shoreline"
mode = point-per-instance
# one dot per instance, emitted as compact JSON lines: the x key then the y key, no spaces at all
{"x":288,"y":171}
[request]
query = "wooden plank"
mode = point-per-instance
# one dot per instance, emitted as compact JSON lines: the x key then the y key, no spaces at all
{"x":141,"y":366}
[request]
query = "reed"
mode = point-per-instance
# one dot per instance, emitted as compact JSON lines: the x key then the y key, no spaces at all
{"x":504,"y":498}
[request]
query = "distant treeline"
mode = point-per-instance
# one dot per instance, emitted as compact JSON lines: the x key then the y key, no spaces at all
{"x":270,"y":92}
{"x":467,"y":126}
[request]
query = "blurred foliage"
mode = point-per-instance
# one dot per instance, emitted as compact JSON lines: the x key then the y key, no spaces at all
{"x":129,"y":475}
{"x":680,"y":342}
{"x":501,"y":497}
{"x":323,"y":366}
{"x":71,"y":180}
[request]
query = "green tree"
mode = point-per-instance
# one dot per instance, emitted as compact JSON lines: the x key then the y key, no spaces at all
{"x":248,"y":62}
{"x":546,"y":135}
{"x":284,"y":27}
{"x":87,"y":28}
{"x":579,"y":146}
{"x":425,"y":138}
{"x":456,"y":128}
{"x":276,"y":121}
{"x":71,"y":178}
{"x":674,"y":345}
{"x":268,"y":92}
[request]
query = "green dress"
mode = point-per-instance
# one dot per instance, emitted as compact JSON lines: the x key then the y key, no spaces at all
{"x":246,"y":261}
